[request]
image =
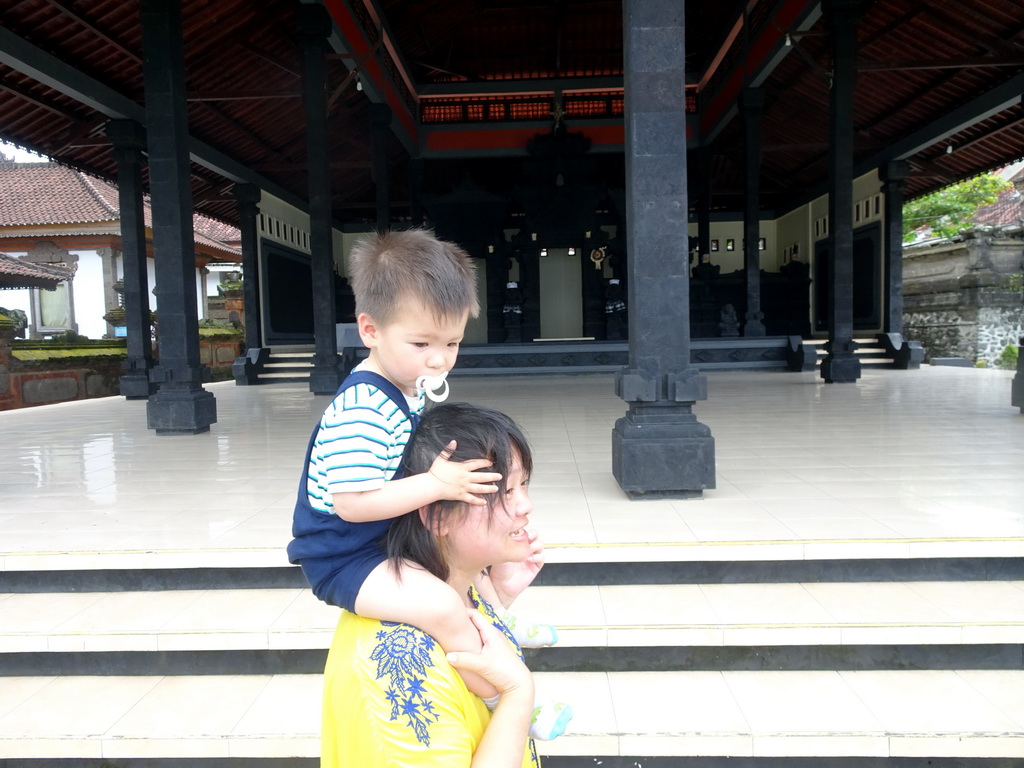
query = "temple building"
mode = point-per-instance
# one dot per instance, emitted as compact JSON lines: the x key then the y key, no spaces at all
{"x":55,"y":216}
{"x":657,"y":188}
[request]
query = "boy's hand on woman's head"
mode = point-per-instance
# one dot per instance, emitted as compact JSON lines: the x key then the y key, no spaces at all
{"x":460,"y":480}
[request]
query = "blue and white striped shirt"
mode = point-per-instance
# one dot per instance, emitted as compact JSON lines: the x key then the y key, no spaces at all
{"x":358,"y":445}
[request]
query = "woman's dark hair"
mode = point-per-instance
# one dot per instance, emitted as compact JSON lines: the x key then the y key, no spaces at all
{"x":480,"y":433}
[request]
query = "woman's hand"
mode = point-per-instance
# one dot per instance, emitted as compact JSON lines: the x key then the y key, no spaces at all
{"x":510,"y":579}
{"x":460,"y":480}
{"x":507,"y":732}
{"x":497,"y":662}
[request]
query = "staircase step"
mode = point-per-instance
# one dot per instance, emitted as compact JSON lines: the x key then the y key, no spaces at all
{"x":834,"y":614}
{"x":828,"y":714}
{"x":287,"y":366}
{"x":633,"y":560}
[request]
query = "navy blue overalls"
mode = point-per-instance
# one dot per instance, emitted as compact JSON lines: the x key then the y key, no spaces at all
{"x":335,"y":555}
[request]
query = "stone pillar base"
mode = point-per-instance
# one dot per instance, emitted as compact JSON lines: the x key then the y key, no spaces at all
{"x":246,"y":369}
{"x":137,"y":386}
{"x":799,"y":356}
{"x":181,"y":411}
{"x":840,"y":369}
{"x":326,"y":377}
{"x":753,"y":326}
{"x":668,"y":455}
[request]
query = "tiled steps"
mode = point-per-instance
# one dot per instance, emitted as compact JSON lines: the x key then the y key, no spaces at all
{"x":870,"y":352}
{"x":292,"y":365}
{"x":939,"y":614}
{"x":287,"y":367}
{"x":922,"y":669}
{"x":772,"y":716}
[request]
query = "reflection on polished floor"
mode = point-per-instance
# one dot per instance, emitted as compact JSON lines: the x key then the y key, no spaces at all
{"x":905,"y":460}
{"x":901,"y":466}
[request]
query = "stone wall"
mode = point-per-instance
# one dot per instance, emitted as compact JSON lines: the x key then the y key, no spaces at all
{"x":37,"y":374}
{"x":218,"y":352}
{"x":28,"y":382}
{"x":966,"y":299}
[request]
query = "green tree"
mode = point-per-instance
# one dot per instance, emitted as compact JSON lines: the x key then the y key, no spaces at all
{"x":950,"y":210}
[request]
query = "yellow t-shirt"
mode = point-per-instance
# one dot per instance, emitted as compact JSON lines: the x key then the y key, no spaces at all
{"x":391,"y":700}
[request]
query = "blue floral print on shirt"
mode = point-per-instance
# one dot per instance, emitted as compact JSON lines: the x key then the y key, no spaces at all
{"x":403,"y":655}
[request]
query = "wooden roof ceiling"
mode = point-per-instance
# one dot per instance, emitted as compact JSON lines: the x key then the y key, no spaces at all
{"x":939,"y":82}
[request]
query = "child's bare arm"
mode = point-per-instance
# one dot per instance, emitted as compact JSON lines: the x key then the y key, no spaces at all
{"x":418,"y":598}
{"x":446,"y":480}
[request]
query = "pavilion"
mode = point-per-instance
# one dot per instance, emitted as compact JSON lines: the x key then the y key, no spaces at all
{"x":635,"y":135}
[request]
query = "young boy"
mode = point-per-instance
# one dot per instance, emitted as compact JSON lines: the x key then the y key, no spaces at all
{"x":414,"y":295}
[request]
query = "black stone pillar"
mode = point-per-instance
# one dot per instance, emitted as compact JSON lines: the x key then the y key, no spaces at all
{"x":416,"y":191}
{"x":246,"y":369}
{"x":751,"y":108}
{"x":248,"y":198}
{"x":380,"y":127}
{"x":841,"y":364}
{"x":181,"y":405}
{"x":1017,"y":385}
{"x":659,"y":449}
{"x":315,"y":27}
{"x":496,"y":277}
{"x":702,"y":157}
{"x":529,"y":286}
{"x":129,"y":140}
{"x":893,"y":175}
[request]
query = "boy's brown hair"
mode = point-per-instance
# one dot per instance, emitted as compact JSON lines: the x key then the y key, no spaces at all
{"x":390,"y":268}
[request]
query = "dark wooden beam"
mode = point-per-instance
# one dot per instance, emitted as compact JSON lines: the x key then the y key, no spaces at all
{"x":303,"y":166}
{"x":243,"y":96}
{"x":990,"y":134}
{"x":83,"y":20}
{"x":279,"y":63}
{"x":21,"y":93}
{"x":974,"y":62}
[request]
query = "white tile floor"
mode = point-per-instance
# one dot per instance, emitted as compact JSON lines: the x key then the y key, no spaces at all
{"x":901,"y":464}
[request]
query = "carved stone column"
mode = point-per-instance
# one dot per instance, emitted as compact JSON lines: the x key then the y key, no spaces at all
{"x":246,"y":369}
{"x":751,"y":108}
{"x":181,"y":405}
{"x":893,"y":175}
{"x":1017,"y":385}
{"x":380,"y":127}
{"x":108,"y":265}
{"x":659,"y":449}
{"x":841,"y":364}
{"x":314,"y":27}
{"x":129,"y":140}
{"x":702,"y":158}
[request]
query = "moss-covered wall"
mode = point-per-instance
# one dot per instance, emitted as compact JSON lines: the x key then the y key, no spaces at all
{"x":40,"y":373}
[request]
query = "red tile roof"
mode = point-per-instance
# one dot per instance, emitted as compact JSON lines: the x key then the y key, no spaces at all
{"x":47,"y":193}
{"x":1008,"y":209}
{"x":15,"y":273}
{"x":34,"y":194}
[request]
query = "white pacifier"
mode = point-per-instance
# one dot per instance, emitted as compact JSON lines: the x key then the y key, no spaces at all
{"x":431,"y":387}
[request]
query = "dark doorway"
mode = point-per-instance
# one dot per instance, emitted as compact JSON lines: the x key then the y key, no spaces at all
{"x":867,"y":277}
{"x":287,"y":295}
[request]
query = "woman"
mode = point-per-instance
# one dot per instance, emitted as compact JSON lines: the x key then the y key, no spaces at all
{"x":391,"y":698}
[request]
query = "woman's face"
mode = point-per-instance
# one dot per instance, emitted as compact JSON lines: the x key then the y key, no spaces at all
{"x":485,"y":535}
